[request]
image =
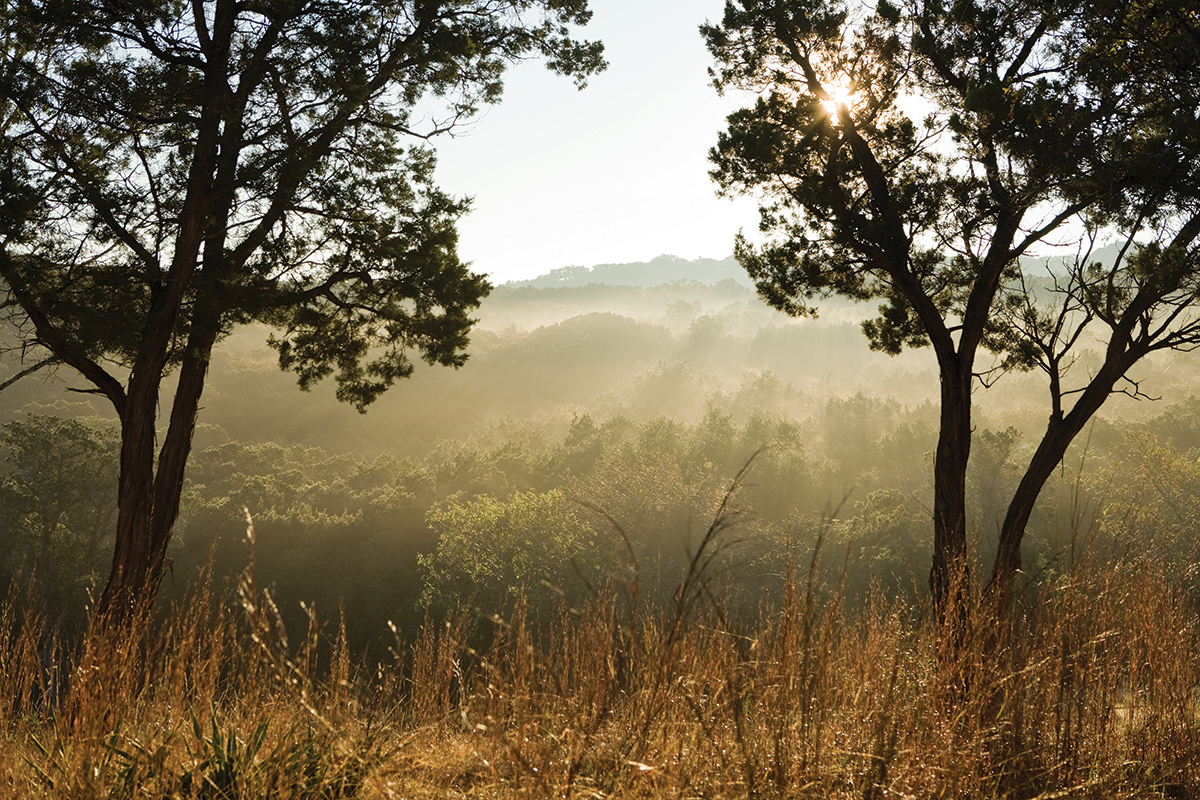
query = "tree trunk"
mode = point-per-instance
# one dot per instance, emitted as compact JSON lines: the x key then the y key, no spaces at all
{"x":949,"y":576}
{"x":1061,"y":431}
{"x":149,"y":494}
{"x":147,"y":503}
{"x":135,"y":508}
{"x":149,"y":491}
{"x":1046,"y":459}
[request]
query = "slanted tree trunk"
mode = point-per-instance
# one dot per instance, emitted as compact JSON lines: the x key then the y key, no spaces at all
{"x":1060,"y":432}
{"x":1045,"y":460}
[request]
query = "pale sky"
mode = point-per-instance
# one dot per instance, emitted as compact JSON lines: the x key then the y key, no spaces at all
{"x":616,"y":173}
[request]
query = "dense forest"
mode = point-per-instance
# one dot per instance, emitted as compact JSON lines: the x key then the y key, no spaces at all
{"x":592,"y":438}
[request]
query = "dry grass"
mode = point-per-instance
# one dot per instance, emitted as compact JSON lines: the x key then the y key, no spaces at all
{"x":1092,"y":696}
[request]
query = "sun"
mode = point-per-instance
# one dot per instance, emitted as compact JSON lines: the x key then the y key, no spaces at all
{"x":838,"y":94}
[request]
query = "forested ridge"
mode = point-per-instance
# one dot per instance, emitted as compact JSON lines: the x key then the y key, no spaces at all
{"x":510,"y":476}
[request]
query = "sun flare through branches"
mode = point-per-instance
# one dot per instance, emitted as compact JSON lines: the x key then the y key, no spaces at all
{"x":838,"y":93}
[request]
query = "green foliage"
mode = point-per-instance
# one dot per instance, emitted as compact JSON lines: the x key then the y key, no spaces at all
{"x":1149,"y":499}
{"x":883,"y":544}
{"x":327,"y":225}
{"x":993,"y":465}
{"x":877,"y":204}
{"x":224,"y":762}
{"x":341,"y":531}
{"x":302,"y":764}
{"x":333,"y":531}
{"x":57,"y":500}
{"x":492,"y":551}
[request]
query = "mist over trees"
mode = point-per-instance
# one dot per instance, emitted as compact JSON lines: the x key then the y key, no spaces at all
{"x":653,"y":538}
{"x":571,"y":537}
{"x":642,"y":413}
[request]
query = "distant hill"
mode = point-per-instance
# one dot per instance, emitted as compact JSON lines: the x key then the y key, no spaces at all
{"x":668,"y":269}
{"x":661,"y":270}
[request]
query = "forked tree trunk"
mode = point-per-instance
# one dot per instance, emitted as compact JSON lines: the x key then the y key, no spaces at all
{"x":149,"y":493}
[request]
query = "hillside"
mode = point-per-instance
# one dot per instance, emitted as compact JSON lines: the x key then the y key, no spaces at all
{"x":556,"y":347}
{"x":549,"y":349}
{"x":657,"y":271}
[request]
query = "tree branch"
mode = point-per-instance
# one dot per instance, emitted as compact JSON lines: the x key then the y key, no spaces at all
{"x":53,"y":340}
{"x":45,"y":362}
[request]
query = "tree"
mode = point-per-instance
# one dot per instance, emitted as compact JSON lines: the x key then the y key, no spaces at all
{"x":493,"y":551}
{"x":1041,"y":123}
{"x":57,"y":499}
{"x":173,"y":168}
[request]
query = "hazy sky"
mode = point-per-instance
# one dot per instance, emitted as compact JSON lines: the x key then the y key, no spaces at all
{"x":615,"y":173}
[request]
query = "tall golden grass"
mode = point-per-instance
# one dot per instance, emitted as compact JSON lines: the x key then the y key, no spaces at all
{"x":1091,"y":694}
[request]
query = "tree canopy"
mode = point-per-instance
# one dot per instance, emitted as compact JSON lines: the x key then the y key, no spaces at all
{"x":914,"y":154}
{"x":173,"y":168}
